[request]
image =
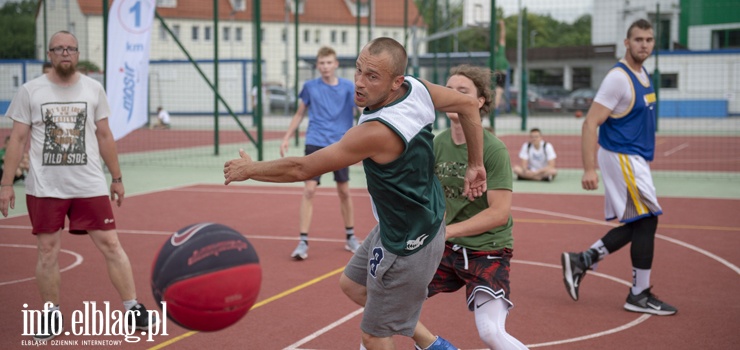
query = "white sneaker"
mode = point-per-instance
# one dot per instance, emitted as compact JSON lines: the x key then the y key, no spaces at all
{"x":352,"y":244}
{"x":301,"y":251}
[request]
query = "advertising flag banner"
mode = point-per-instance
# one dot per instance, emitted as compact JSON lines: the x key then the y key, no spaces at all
{"x":127,"y":71}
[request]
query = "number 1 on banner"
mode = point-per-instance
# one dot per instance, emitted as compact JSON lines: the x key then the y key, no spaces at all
{"x":136,"y":9}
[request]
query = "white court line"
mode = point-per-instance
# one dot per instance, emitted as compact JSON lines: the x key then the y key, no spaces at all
{"x":321,"y":331}
{"x":595,"y":335}
{"x":675,"y":149}
{"x":640,"y":319}
{"x":712,"y":256}
{"x":78,"y":261}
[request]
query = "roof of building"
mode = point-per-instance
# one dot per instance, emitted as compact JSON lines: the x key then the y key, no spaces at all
{"x":387,"y":12}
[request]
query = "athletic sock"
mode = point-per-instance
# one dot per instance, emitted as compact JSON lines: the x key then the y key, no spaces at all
{"x":600,"y":250}
{"x":350,"y":232}
{"x":304,"y":237}
{"x":640,"y":280}
{"x":128,"y":304}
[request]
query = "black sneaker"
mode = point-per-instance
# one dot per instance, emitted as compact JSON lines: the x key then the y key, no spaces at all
{"x":574,"y":270}
{"x":54,"y":324}
{"x":648,"y":303}
{"x":141,"y":321}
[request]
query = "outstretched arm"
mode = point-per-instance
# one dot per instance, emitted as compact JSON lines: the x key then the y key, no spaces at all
{"x":368,"y":140}
{"x":501,"y":33}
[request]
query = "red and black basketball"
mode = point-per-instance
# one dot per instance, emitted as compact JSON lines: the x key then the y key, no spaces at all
{"x":208,"y":274}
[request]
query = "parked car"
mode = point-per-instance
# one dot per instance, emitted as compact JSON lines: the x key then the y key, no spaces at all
{"x":280,"y":97}
{"x":551,"y":92}
{"x":579,"y":99}
{"x":536,"y":101}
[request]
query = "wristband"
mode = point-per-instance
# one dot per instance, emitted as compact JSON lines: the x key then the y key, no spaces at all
{"x":117,"y":180}
{"x":6,"y":185}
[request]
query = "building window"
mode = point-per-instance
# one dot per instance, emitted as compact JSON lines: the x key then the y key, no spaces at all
{"x":306,"y":36}
{"x":726,"y":39}
{"x":344,"y":37}
{"x":239,"y":34}
{"x":176,"y":30}
{"x":333,"y":37}
{"x":669,"y":80}
{"x":195,"y":30}
{"x":317,"y":36}
{"x":263,"y":32}
{"x":162,"y":33}
{"x":284,"y":35}
{"x":227,"y":33}
{"x":239,"y":5}
{"x":207,"y":33}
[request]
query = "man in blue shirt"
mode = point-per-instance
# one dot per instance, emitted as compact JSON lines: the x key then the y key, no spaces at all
{"x":329,"y":101}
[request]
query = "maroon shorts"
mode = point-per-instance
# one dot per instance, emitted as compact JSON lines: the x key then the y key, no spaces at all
{"x":47,"y":214}
{"x":487,"y":271}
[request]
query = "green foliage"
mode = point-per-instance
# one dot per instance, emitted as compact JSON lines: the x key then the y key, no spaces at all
{"x":17,"y":29}
{"x":549,"y":31}
{"x":87,"y":66}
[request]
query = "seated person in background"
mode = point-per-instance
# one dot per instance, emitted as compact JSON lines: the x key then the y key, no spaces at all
{"x":163,"y":119}
{"x":538,"y":159}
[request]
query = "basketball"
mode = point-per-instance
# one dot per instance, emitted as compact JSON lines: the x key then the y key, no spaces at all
{"x":579,"y":114}
{"x":208,"y":275}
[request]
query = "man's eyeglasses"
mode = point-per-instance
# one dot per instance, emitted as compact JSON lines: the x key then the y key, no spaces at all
{"x":60,"y":50}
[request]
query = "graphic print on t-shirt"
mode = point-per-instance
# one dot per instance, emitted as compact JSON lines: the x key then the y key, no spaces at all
{"x":64,"y":133}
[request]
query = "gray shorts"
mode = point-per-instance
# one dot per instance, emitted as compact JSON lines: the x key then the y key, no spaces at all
{"x":396,"y":285}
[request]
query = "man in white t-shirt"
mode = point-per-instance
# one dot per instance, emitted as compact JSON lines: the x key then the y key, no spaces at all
{"x":163,"y":119}
{"x":64,"y":116}
{"x":538,"y":159}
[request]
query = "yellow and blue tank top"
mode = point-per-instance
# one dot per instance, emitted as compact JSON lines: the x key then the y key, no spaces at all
{"x":634,"y":133}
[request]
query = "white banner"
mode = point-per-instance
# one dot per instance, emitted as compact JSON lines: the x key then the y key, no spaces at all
{"x":129,"y":26}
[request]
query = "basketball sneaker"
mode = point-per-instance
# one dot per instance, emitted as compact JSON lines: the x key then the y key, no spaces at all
{"x":141,"y":321}
{"x":647,"y":302}
{"x":574,"y":270}
{"x":301,"y":251}
{"x":439,"y":344}
{"x":54,"y":324}
{"x":352,"y":244}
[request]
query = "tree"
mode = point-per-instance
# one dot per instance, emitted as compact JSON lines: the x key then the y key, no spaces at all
{"x":17,"y":29}
{"x":550,"y":32}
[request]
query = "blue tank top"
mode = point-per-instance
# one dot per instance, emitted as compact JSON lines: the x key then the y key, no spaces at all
{"x":633,"y":133}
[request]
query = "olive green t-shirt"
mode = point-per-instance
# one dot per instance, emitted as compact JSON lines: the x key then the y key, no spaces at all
{"x":451,"y":162}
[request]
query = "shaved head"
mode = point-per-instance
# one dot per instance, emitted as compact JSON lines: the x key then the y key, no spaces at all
{"x":395,"y":50}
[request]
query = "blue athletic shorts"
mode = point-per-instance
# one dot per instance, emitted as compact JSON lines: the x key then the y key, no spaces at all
{"x":340,"y":176}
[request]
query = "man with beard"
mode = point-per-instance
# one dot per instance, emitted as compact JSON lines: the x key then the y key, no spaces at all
{"x":624,"y":113}
{"x":65,"y":114}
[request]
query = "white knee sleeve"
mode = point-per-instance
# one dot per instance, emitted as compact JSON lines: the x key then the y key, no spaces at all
{"x":490,"y":318}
